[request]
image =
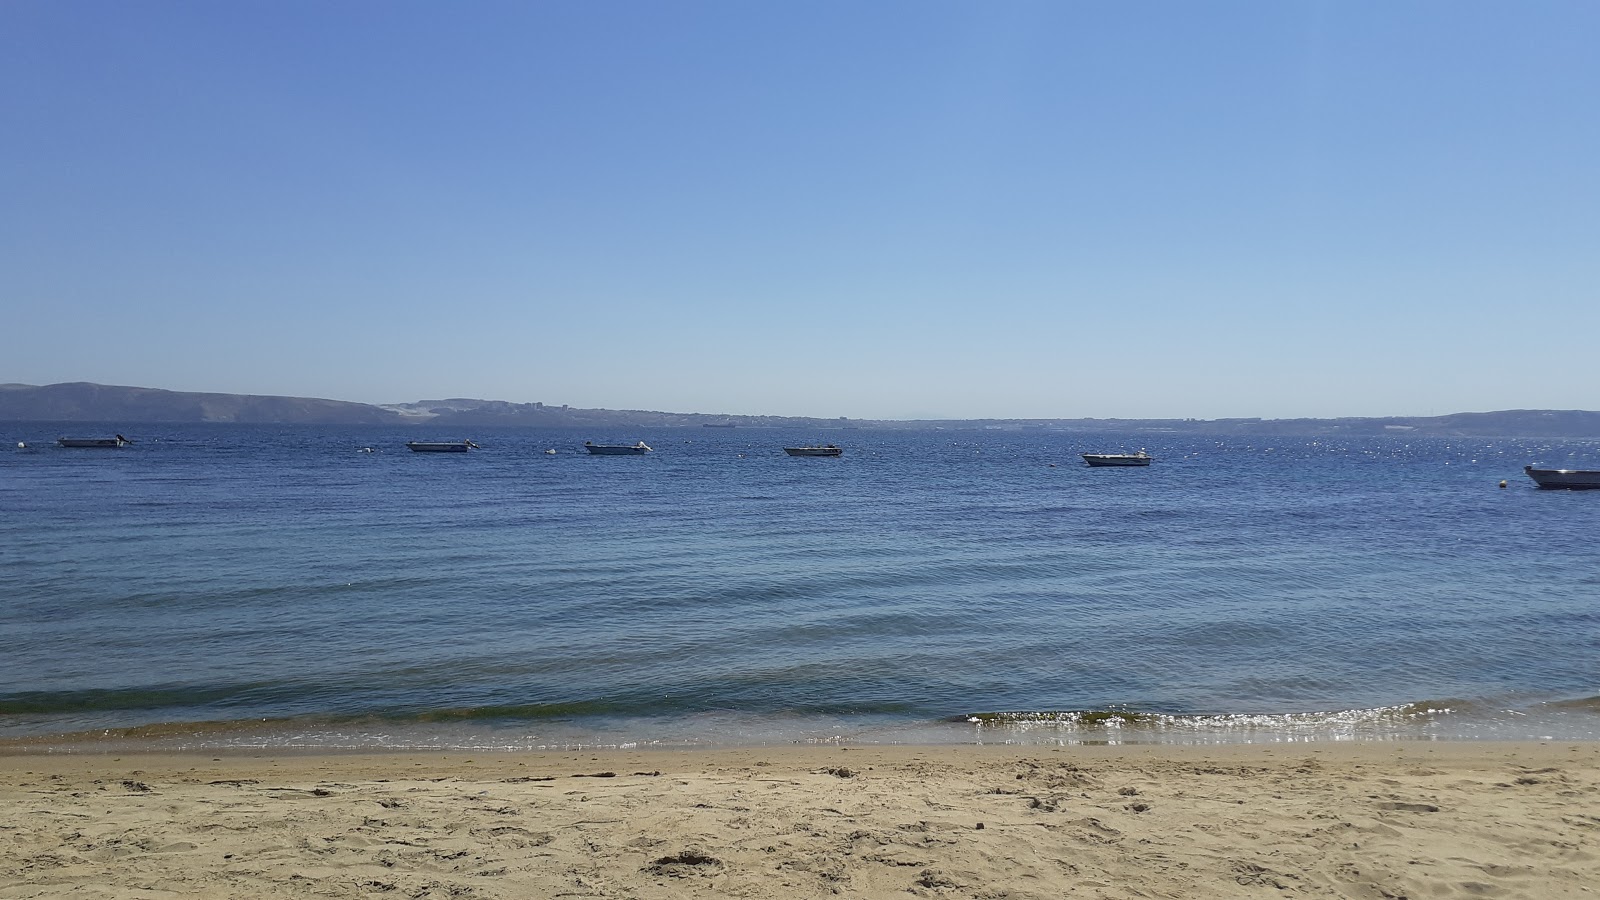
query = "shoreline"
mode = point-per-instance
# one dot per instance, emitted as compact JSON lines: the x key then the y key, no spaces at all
{"x":1576,"y":719}
{"x":1332,"y":819}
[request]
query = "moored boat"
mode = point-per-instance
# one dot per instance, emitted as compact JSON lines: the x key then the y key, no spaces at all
{"x":441,"y":446}
{"x":1571,"y":479}
{"x":827,"y":450}
{"x":1118,"y":459}
{"x":616,"y":449}
{"x":116,"y":441}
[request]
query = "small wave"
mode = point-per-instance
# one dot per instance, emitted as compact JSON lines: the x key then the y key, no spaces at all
{"x":521,"y":712}
{"x":275,"y":730}
{"x":1107,"y":720}
{"x":1582,"y":704}
{"x":150,"y":736}
{"x":122,"y":699}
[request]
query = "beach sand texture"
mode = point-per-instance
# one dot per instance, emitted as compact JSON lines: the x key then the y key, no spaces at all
{"x":1375,"y":820}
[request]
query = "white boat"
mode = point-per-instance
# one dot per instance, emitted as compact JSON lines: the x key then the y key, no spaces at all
{"x":829,"y":450}
{"x":1118,"y":459}
{"x":441,"y":446}
{"x":616,"y":449}
{"x":117,"y":441}
{"x":1571,"y":479}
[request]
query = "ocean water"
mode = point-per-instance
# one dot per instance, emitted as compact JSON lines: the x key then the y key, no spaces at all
{"x":318,"y":587}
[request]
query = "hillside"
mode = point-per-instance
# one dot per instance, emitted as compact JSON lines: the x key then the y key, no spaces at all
{"x":85,"y":402}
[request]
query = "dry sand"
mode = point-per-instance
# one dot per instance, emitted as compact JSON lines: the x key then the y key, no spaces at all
{"x":1378,"y":820}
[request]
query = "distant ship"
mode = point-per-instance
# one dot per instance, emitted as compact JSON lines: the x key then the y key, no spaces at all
{"x":117,"y":441}
{"x":441,"y":446}
{"x":617,"y":449}
{"x":829,"y":450}
{"x":1118,"y":459}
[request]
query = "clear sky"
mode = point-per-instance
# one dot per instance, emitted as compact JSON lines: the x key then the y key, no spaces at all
{"x":874,"y":209}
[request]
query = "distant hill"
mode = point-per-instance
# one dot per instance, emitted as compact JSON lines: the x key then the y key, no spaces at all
{"x":85,"y":402}
{"x":1525,"y":423}
{"x":460,"y":413}
{"x":88,"y":402}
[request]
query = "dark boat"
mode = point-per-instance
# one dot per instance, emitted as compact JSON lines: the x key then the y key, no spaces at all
{"x":616,"y":449}
{"x":441,"y":446}
{"x":1118,"y":459}
{"x":116,"y":441}
{"x":1570,"y":479}
{"x":829,"y":450}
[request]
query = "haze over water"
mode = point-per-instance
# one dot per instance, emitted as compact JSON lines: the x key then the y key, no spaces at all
{"x":264,"y":586}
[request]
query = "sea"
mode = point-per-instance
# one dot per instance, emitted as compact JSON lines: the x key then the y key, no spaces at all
{"x":322,"y":588}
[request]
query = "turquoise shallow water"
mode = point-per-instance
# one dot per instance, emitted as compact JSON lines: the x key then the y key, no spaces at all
{"x":249,"y":586}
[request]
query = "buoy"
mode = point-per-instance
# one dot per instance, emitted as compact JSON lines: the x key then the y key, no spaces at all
{"x":21,"y":445}
{"x":1502,"y":483}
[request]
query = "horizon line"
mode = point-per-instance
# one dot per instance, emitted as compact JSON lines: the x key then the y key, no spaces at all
{"x":392,"y":406}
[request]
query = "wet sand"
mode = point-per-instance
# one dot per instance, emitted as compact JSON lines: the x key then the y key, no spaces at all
{"x":1363,"y":820}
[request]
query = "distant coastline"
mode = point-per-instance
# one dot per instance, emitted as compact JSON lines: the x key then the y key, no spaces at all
{"x":101,"y":403}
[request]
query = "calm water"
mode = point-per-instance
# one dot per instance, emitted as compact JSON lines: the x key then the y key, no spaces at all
{"x":251,"y":586}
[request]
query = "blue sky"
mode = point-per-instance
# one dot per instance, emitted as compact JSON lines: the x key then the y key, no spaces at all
{"x":879,"y":209}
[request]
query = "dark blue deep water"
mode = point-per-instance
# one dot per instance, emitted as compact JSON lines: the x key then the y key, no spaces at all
{"x":267,"y":586}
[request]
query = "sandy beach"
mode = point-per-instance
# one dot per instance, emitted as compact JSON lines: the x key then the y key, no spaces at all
{"x":1374,"y":820}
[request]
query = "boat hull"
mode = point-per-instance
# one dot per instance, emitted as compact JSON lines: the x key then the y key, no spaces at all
{"x":91,"y":442}
{"x":813,"y":451}
{"x":439,"y":446}
{"x":1117,"y":459}
{"x":638,"y":449}
{"x":1568,"y":479}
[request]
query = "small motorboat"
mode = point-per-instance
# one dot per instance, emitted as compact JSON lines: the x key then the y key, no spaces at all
{"x":116,"y":441}
{"x":616,"y":449}
{"x":441,"y":446}
{"x":825,"y":450}
{"x":1118,"y":459}
{"x":1571,"y":479}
